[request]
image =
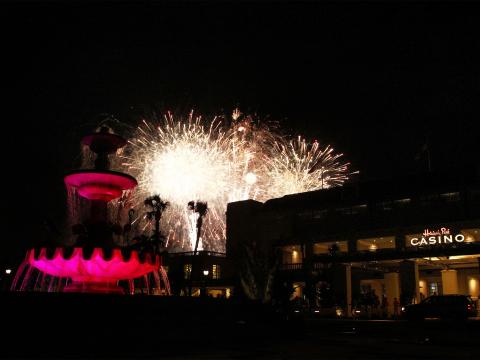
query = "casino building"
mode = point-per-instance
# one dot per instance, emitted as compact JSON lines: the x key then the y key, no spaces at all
{"x":401,"y":240}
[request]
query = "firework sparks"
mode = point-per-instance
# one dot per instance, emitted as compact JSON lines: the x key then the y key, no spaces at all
{"x":191,"y":159}
{"x":299,"y":167}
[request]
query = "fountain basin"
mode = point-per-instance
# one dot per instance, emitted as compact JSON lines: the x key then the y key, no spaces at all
{"x":96,"y":269}
{"x":103,"y":185}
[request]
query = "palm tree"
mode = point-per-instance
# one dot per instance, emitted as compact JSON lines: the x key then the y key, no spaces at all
{"x":157,"y":206}
{"x":201,"y":208}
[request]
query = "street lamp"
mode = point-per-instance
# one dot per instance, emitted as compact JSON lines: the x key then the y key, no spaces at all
{"x":205,"y":275}
{"x":6,"y":280}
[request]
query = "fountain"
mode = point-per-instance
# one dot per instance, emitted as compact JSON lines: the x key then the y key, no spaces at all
{"x":95,"y":264}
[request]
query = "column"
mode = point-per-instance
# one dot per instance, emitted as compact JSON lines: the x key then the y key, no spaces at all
{"x":473,"y":288}
{"x":310,"y":291}
{"x":392,"y":290}
{"x":449,"y":282}
{"x":423,"y":288}
{"x":342,"y":286}
{"x":348,"y":275}
{"x":409,"y":282}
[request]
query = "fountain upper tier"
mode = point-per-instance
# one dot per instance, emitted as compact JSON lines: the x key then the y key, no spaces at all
{"x":101,"y":183}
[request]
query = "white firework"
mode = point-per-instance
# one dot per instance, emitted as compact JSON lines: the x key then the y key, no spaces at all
{"x":217,"y":162}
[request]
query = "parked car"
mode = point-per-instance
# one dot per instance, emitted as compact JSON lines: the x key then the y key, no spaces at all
{"x":441,"y":306}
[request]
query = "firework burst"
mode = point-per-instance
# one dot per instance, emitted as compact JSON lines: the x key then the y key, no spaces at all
{"x":298,"y":167}
{"x":218,"y":162}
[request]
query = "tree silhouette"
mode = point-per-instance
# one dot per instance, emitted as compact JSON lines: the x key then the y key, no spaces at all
{"x":257,"y":272}
{"x":156,"y":207}
{"x":201,"y":208}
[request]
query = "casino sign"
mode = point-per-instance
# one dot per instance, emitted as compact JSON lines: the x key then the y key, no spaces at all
{"x":437,"y":237}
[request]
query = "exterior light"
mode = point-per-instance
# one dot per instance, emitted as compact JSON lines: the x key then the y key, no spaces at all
{"x":8,"y":271}
{"x":205,"y":272}
{"x":469,"y":239}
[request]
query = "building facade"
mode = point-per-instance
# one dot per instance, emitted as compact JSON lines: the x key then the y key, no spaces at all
{"x":389,"y":243}
{"x":205,"y":274}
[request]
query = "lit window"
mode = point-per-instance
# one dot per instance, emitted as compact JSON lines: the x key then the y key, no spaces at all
{"x":330,"y":247}
{"x":187,"y":271}
{"x":471,"y":235}
{"x":359,"y":209}
{"x":402,"y":201}
{"x":215,"y":271}
{"x":450,"y":197}
{"x":385,"y":206}
{"x":292,"y":254}
{"x":374,"y":244}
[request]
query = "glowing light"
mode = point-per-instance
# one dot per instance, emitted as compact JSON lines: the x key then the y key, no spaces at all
{"x":221,"y":161}
{"x":96,"y":268}
{"x":473,"y":288}
{"x":8,"y":271}
{"x":251,"y":178}
{"x":469,"y":239}
{"x":105,"y":185}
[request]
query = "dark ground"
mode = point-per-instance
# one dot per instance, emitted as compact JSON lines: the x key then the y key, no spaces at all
{"x":82,"y":326}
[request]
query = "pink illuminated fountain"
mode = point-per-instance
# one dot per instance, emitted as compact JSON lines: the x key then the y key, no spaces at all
{"x":95,"y":264}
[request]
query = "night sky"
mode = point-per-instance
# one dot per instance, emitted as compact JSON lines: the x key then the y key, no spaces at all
{"x":375,"y":80}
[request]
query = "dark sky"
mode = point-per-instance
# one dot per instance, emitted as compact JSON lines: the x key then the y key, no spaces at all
{"x":375,"y":80}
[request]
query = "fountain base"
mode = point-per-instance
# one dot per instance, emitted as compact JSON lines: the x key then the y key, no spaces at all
{"x":104,"y":287}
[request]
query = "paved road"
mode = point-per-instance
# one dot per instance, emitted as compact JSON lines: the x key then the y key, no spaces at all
{"x":315,"y":339}
{"x":312,"y":339}
{"x":358,"y":339}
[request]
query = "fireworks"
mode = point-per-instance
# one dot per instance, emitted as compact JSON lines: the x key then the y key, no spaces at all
{"x":299,"y":167}
{"x":218,"y":162}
